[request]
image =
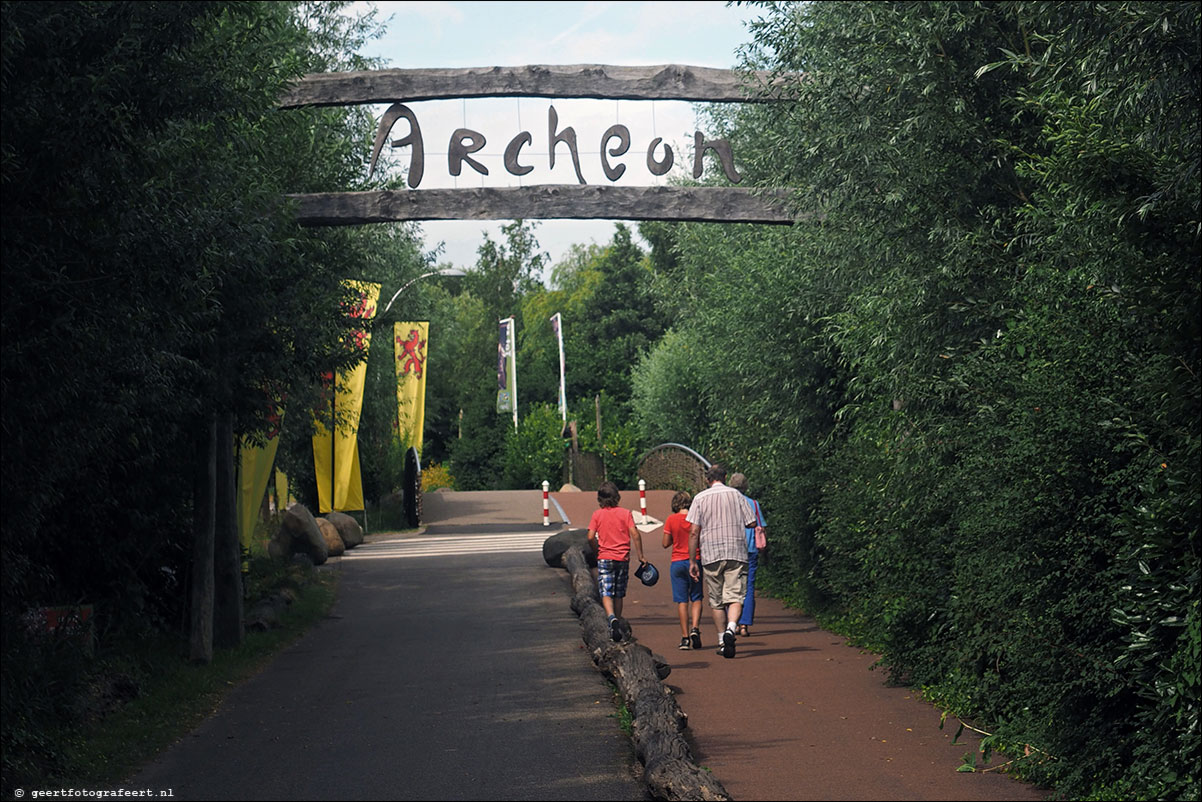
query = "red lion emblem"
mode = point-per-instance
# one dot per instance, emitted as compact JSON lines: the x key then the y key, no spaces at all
{"x":413,"y":357}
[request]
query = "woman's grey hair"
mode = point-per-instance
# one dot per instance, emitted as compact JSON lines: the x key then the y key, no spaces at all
{"x":739,"y":482}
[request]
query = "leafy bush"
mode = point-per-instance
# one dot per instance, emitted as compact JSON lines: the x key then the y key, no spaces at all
{"x":534,"y":451}
{"x":666,"y":396}
{"x":622,"y":446}
{"x":969,"y":384}
{"x":476,"y":458}
{"x":43,"y":679}
{"x":435,"y":476}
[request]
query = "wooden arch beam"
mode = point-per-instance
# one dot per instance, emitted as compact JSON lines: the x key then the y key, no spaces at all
{"x":583,"y":202}
{"x":598,"y":81}
{"x":548,"y":201}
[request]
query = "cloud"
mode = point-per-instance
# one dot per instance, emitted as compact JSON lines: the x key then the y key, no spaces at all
{"x":428,"y":17}
{"x":591,"y":12}
{"x":469,"y":34}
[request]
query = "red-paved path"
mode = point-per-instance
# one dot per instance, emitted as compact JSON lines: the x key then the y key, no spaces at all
{"x":797,"y":714}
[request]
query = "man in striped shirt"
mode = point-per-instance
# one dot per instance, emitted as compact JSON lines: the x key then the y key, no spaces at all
{"x":717,"y":540}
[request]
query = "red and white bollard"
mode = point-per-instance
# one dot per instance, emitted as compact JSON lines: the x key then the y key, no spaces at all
{"x":643,"y":499}
{"x":546,"y":508}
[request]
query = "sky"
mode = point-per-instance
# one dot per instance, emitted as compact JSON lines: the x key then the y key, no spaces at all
{"x":485,"y":34}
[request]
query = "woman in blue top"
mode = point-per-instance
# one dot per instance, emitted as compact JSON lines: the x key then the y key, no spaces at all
{"x":739,"y":482}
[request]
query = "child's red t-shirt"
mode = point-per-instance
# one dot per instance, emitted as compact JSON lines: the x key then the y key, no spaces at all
{"x":678,"y":529}
{"x":612,"y":525}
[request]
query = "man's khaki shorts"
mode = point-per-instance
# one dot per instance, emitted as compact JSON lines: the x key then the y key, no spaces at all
{"x":725,"y":582}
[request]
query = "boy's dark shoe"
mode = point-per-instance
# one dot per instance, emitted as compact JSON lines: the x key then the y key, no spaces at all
{"x":685,"y":644}
{"x":614,"y":631}
{"x":728,"y":644}
{"x":695,"y":637}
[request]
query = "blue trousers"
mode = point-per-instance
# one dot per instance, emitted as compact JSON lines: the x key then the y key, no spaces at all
{"x":748,"y":615}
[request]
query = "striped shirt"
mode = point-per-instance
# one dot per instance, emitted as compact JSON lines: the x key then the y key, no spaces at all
{"x":722,"y":513}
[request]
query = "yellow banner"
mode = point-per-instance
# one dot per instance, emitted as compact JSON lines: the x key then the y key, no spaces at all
{"x":410,"y":350}
{"x":283,"y":496}
{"x":336,"y":459}
{"x":254,"y":471}
{"x":255,"y":464}
{"x":323,"y":453}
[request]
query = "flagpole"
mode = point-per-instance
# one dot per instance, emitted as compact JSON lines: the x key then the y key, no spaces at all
{"x":508,"y":362}
{"x":557,"y":323}
{"x":513,"y":369}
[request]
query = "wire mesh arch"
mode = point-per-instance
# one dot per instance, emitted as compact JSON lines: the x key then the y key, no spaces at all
{"x":672,"y":466}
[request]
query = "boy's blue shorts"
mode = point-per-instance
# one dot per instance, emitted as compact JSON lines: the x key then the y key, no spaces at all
{"x":612,"y":576}
{"x":684,"y":588}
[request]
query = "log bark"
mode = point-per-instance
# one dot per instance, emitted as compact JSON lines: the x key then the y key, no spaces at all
{"x":671,"y":778}
{"x":228,"y":612}
{"x":607,"y":81}
{"x":203,"y":534}
{"x":657,"y":722}
{"x":549,"y":201}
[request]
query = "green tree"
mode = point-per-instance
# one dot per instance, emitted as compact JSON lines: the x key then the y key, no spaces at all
{"x":507,"y":271}
{"x":668,"y":392}
{"x":617,"y":323}
{"x":969,"y":381}
{"x":534,"y":450}
{"x":460,"y":331}
{"x":504,"y":275}
{"x":154,"y":287}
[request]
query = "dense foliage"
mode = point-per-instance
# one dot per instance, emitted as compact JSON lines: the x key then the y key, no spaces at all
{"x":968,"y":389}
{"x":152,"y":280}
{"x":965,"y":387}
{"x":603,"y":295}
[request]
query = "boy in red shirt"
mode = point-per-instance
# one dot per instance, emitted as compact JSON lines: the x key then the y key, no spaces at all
{"x":686,"y":591}
{"x":612,"y":530}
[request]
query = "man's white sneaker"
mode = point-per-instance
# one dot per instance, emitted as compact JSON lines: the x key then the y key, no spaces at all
{"x":728,"y":644}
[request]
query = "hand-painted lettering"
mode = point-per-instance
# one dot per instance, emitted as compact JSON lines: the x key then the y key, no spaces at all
{"x":464,"y":142}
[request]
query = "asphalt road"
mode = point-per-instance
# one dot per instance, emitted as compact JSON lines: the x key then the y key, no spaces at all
{"x":452,"y":667}
{"x":437,"y":676}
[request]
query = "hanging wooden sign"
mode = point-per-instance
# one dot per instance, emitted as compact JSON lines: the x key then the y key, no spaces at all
{"x":580,"y":201}
{"x":464,"y":142}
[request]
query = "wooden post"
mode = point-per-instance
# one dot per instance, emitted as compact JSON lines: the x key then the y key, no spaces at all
{"x":573,"y":429}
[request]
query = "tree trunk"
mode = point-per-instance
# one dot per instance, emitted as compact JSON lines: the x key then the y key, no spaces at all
{"x":203,"y":521}
{"x":227,"y":558}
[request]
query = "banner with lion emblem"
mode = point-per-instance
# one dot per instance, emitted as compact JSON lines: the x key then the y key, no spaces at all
{"x":411,"y":340}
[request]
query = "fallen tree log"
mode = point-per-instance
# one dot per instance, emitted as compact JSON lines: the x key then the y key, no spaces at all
{"x":657,"y":722}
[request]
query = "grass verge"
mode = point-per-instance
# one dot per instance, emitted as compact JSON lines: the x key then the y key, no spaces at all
{"x":183,"y":694}
{"x":144,"y":695}
{"x":622,"y":713}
